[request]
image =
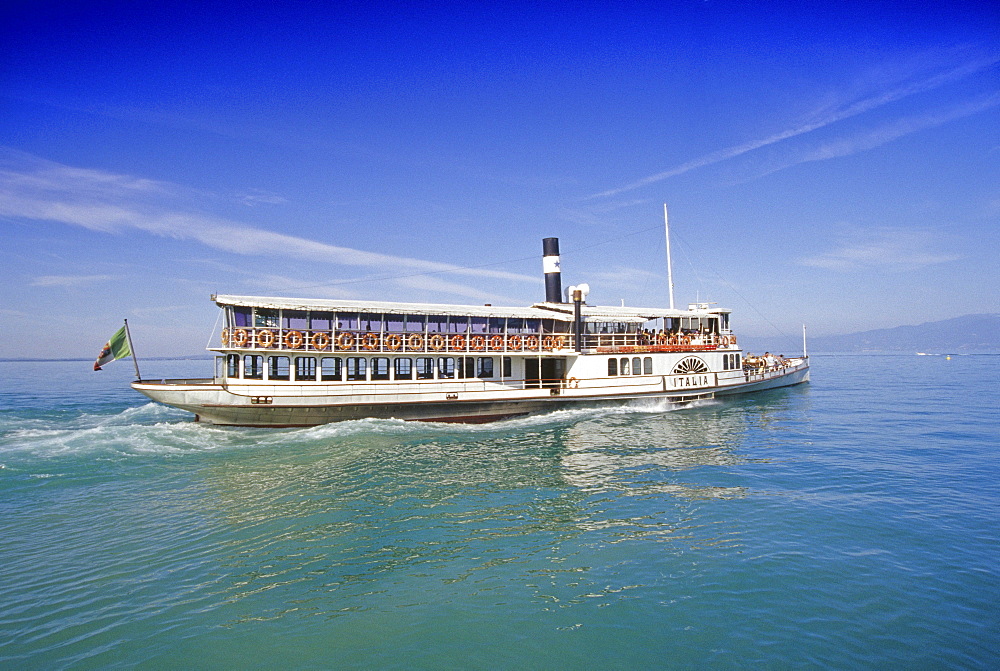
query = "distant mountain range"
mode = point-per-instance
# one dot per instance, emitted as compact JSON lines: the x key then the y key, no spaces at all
{"x":960,"y":335}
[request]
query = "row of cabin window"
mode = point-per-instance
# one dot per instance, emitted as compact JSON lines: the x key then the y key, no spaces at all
{"x":333,"y":368}
{"x":377,"y":323}
{"x":638,"y":366}
{"x":731,"y":362}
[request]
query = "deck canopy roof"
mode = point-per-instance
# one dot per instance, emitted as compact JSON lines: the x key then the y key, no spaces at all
{"x":558,"y":311}
{"x":596,"y":313}
{"x":388,"y":307}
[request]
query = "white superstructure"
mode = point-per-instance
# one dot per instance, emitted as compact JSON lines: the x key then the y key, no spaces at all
{"x":298,"y":362}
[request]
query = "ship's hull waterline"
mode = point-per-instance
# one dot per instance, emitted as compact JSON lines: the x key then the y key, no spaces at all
{"x":215,"y":403}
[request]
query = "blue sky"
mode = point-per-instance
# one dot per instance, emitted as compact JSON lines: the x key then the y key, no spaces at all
{"x":833,"y":164}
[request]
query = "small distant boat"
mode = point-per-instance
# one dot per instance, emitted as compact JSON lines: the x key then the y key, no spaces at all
{"x":286,"y":362}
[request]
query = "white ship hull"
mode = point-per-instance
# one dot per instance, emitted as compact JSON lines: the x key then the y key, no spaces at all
{"x":460,"y":401}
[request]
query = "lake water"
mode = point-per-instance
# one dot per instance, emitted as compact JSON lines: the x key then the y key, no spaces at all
{"x":853,"y":522}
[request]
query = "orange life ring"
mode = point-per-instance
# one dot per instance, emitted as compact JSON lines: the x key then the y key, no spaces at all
{"x":436,"y":342}
{"x":320,"y":341}
{"x":477,"y":342}
{"x":414,"y":342}
{"x":225,"y":337}
{"x":514,"y":342}
{"x":393,"y":342}
{"x":345,"y":341}
{"x":240,"y":338}
{"x":458,"y":342}
{"x":531,"y":342}
{"x":496,"y":342}
{"x":724,"y":341}
{"x":265,"y":338}
{"x":294,"y":339}
{"x":370,"y":341}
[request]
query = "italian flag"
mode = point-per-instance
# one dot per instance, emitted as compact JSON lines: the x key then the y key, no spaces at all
{"x":116,"y":348}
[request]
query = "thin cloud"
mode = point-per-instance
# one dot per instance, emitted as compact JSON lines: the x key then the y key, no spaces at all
{"x":887,"y":133}
{"x":70,"y":280}
{"x":33,"y":188}
{"x":881,"y":249}
{"x":830,"y":115}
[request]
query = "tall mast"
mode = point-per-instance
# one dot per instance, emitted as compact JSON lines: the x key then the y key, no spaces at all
{"x":670,"y":271}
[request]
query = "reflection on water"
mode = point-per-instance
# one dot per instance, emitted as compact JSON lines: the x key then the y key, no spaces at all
{"x":337,"y":510}
{"x":645,"y":453}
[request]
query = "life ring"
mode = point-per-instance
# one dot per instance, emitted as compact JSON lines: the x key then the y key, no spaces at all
{"x":320,"y":341}
{"x":436,"y":342}
{"x":414,"y":342}
{"x":240,"y":338}
{"x":458,"y":342}
{"x":514,"y":342}
{"x":345,"y":341}
{"x":370,"y":341}
{"x":724,"y":341}
{"x":531,"y":342}
{"x":496,"y":342}
{"x":477,"y":342}
{"x":265,"y":338}
{"x":393,"y":342}
{"x":294,"y":339}
{"x":548,"y":342}
{"x":225,"y":337}
{"x":572,"y":383}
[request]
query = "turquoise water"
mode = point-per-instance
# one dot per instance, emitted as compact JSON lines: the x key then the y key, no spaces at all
{"x":848,"y":523}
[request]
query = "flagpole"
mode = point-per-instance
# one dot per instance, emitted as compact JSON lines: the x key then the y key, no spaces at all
{"x":670,"y":270}
{"x":132,"y":350}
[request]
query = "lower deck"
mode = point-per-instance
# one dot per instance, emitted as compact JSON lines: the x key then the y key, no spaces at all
{"x":238,"y":401}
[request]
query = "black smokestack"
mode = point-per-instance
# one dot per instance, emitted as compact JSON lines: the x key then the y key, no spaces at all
{"x":550,"y":266}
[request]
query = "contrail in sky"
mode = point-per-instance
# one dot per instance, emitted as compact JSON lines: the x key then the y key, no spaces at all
{"x":850,"y":110}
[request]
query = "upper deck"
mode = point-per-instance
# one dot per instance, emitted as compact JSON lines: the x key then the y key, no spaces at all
{"x":261,"y":323}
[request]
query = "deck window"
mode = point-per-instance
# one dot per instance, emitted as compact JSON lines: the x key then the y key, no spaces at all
{"x":436,"y":324}
{"x":380,"y":368}
{"x":305,"y":368}
{"x":320,"y":321}
{"x":371,"y":323}
{"x":505,"y":367}
{"x":265,"y":318}
{"x":403,"y":368}
{"x":277,"y":367}
{"x":294,"y":319}
{"x":356,"y":368}
{"x":467,"y":367}
{"x":647,"y":365}
{"x":479,"y":324}
{"x":242,"y":317}
{"x":623,"y":365}
{"x":636,"y":366}
{"x":232,"y":365}
{"x":446,"y":367}
{"x":458,"y":324}
{"x":612,"y":366}
{"x":347,"y":321}
{"x":393,"y":323}
{"x":484,"y":366}
{"x":253,"y":366}
{"x":496,"y":324}
{"x":331,"y":369}
{"x":425,"y":368}
{"x":414,"y":323}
